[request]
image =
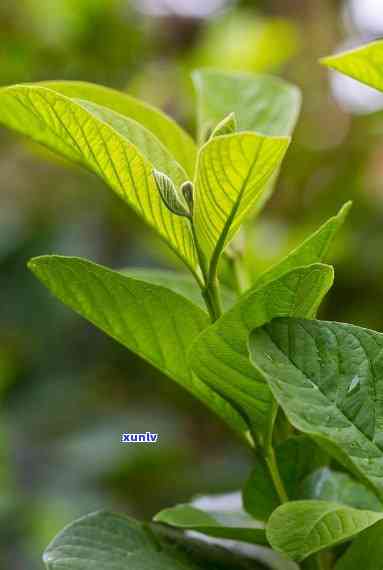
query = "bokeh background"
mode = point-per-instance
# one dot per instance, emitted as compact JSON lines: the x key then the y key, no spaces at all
{"x":66,"y":390}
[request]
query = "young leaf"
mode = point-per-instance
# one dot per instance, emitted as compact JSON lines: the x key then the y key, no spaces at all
{"x":172,"y":136}
{"x":296,"y":457}
{"x":219,"y":356}
{"x":313,"y":249}
{"x":326,"y":377}
{"x":260,"y":103}
{"x":363,"y":63}
{"x":169,"y":195}
{"x":227,"y":126}
{"x":327,"y":485}
{"x":68,"y":128}
{"x":219,"y":524}
{"x":111,"y":541}
{"x":365,"y":552}
{"x":232,"y":172}
{"x":301,"y":528}
{"x":149,"y":319}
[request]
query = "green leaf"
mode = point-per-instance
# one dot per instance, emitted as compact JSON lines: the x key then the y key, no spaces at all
{"x":327,"y":485}
{"x":314,"y":249}
{"x":65,"y":126}
{"x":326,"y":377}
{"x":219,"y":524}
{"x":169,"y":194}
{"x":111,"y":541}
{"x":152,"y":321}
{"x":182,"y":283}
{"x":296,"y":457}
{"x":232,"y":173}
{"x":301,"y":528}
{"x":219,"y":356}
{"x":363,"y":63}
{"x":227,"y":126}
{"x":175,"y":139}
{"x":365,"y":552}
{"x":261,"y":103}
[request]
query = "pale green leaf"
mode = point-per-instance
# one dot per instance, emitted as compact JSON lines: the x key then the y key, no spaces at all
{"x":261,"y":103}
{"x":175,"y":139}
{"x":68,"y":128}
{"x":219,"y":356}
{"x":182,"y":283}
{"x":327,"y":485}
{"x":366,"y":552}
{"x":152,"y":321}
{"x":296,"y":457}
{"x":236,"y":525}
{"x":327,"y":378}
{"x":300,"y":528}
{"x":314,"y":249}
{"x":227,"y":126}
{"x":112,"y":541}
{"x":363,"y":63}
{"x":232,"y":173}
{"x":169,"y":194}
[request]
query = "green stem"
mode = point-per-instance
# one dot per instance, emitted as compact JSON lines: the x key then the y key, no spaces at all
{"x":271,"y":462}
{"x":313,"y":562}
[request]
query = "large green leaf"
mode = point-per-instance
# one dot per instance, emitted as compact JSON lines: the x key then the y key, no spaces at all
{"x":261,"y":103}
{"x":111,"y":541}
{"x":65,"y":126}
{"x":182,"y":283}
{"x":297,"y":457}
{"x":327,"y":378}
{"x":363,"y":63}
{"x":327,"y":485}
{"x":236,"y":525}
{"x":365,"y":552}
{"x":152,"y":321}
{"x":175,"y":139}
{"x":314,"y":249}
{"x":219,"y":356}
{"x":232,"y":174}
{"x":301,"y":528}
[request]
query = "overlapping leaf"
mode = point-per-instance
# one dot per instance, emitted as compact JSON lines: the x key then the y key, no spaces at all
{"x":236,"y":525}
{"x":219,"y":356}
{"x":111,"y":541}
{"x":327,"y":377}
{"x":260,"y":103}
{"x":176,"y":140}
{"x":151,"y":320}
{"x":232,"y":173}
{"x":301,"y":528}
{"x":67,"y":127}
{"x":363,"y":63}
{"x":365,"y":552}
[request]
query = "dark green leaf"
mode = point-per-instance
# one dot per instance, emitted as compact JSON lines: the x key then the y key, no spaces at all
{"x":366,"y":552}
{"x":327,"y":378}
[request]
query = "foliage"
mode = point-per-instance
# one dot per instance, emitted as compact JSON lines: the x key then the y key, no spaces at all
{"x":322,"y":379}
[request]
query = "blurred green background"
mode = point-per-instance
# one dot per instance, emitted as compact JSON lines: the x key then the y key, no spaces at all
{"x":66,"y":390}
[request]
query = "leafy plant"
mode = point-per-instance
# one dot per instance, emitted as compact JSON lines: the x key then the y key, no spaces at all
{"x":309,"y":491}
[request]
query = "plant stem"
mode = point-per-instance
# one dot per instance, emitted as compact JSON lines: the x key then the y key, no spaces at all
{"x":271,"y":462}
{"x":314,"y":562}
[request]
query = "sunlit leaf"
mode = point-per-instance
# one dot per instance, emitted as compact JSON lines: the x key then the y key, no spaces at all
{"x":65,"y":126}
{"x":232,"y":172}
{"x":363,"y":63}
